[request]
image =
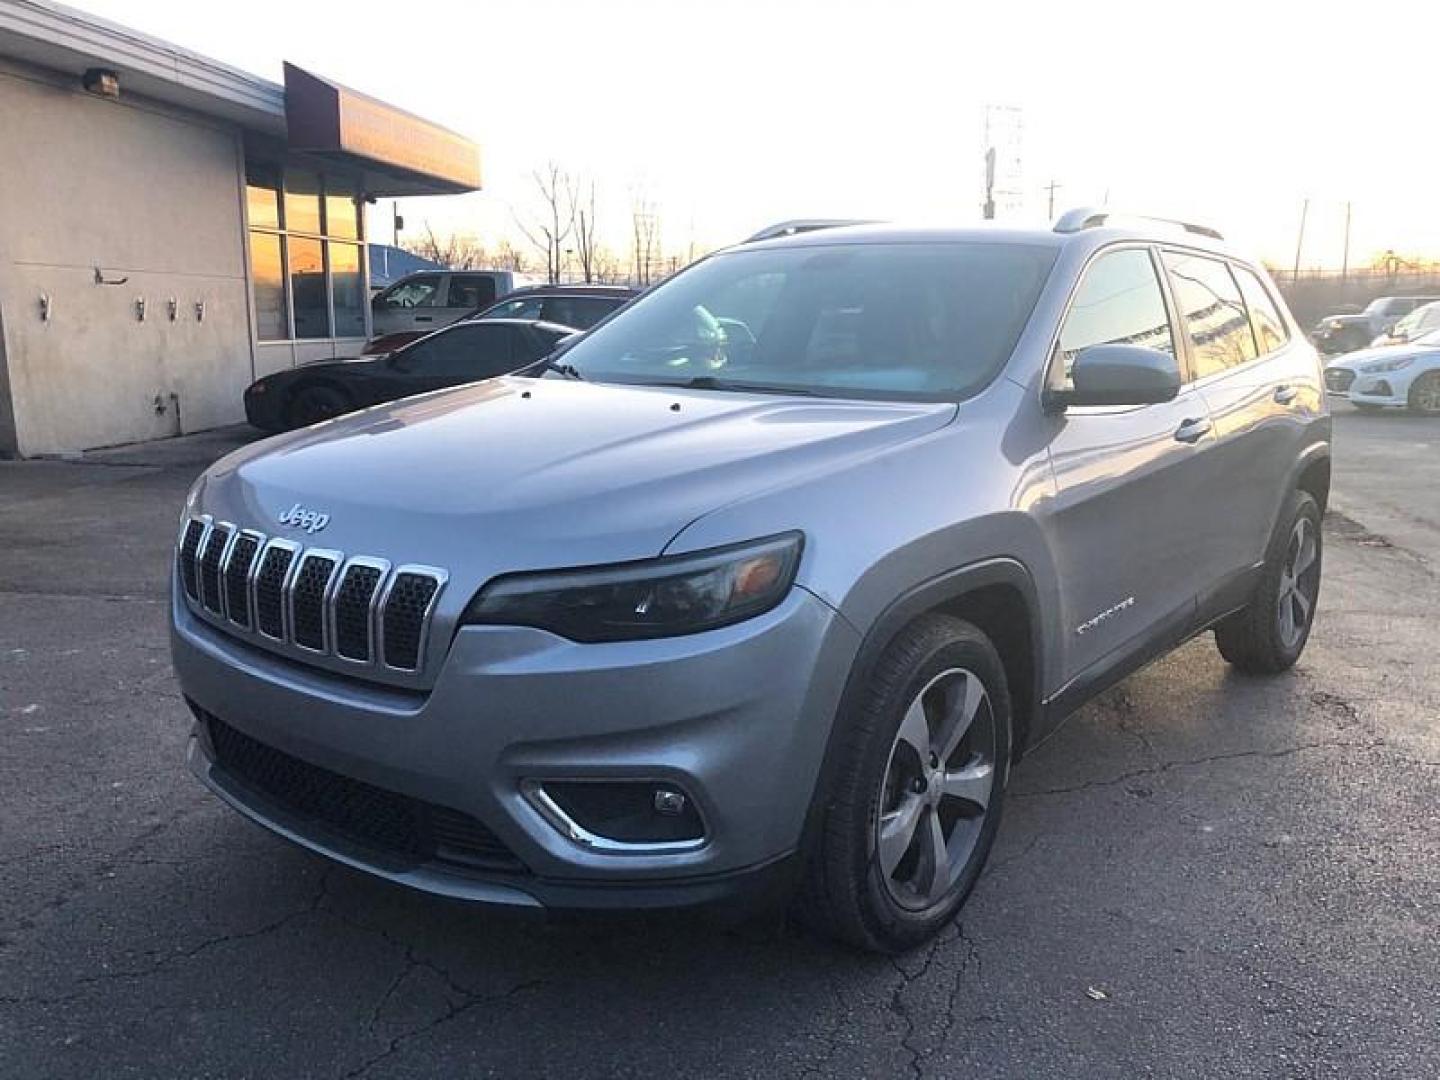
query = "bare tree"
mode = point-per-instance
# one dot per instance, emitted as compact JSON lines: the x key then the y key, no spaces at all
{"x":509,"y":257}
{"x":645,"y":229}
{"x":552,"y":227}
{"x":456,"y":251}
{"x":585,"y":234}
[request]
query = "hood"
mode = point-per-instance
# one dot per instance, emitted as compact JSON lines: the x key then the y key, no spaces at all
{"x":1348,"y":319}
{"x":519,"y":473}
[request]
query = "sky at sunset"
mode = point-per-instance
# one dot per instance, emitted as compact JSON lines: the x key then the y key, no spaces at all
{"x":732,"y":115}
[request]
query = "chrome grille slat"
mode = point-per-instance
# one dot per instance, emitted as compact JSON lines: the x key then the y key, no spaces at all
{"x":314,"y":601}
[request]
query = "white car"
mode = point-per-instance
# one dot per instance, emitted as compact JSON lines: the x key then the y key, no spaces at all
{"x":1405,"y":376}
{"x":1416,"y":325}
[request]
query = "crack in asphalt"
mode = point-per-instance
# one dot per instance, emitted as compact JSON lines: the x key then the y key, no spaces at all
{"x":969,"y":958}
{"x":86,"y":982}
{"x":453,"y":1011}
{"x":1167,"y":766}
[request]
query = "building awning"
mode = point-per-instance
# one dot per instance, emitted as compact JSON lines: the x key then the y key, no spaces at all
{"x":396,"y":152}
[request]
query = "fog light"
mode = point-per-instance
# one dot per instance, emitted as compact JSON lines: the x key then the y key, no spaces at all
{"x":620,"y":815}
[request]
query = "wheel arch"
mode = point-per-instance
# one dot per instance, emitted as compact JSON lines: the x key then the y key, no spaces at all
{"x":998,"y":595}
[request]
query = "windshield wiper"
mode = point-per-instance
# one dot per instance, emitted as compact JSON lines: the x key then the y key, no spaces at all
{"x":570,"y":371}
{"x":712,"y":382}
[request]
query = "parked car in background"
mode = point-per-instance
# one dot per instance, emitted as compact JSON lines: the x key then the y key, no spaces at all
{"x":768,"y":579}
{"x":419,"y":303}
{"x":1345,"y":333}
{"x":1417,"y":324}
{"x":577,"y":306}
{"x":580,"y":306}
{"x":448,"y":357}
{"x":1395,"y":376}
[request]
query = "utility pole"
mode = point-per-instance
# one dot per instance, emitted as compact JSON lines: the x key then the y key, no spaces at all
{"x":1050,"y":188}
{"x":989,"y":209}
{"x":1300,"y":240}
{"x":1345,"y":259}
{"x":397,"y":223}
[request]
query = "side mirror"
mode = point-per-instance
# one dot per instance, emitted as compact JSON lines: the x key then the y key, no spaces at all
{"x":1118,"y":375}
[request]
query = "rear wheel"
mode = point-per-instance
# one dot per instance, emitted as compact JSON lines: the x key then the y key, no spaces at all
{"x":312,"y":404}
{"x":1269,"y":634}
{"x":1425,"y":394}
{"x":916,"y":800}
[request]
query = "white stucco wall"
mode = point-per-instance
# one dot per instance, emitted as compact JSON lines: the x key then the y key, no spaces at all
{"x":144,"y":193}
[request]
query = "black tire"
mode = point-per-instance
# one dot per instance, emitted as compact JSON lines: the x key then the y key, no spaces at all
{"x":312,"y":404}
{"x":1255,"y":640}
{"x":1424,"y":397}
{"x":847,"y":893}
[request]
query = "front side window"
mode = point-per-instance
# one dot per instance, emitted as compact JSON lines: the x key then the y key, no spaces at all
{"x":1119,"y":302}
{"x":920,"y":321}
{"x":1265,"y":320}
{"x":1213,"y":312}
{"x":422,"y":291}
{"x":579,"y":312}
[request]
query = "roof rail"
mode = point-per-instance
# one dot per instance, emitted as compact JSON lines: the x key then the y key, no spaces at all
{"x":802,"y":225}
{"x":1091,"y":217}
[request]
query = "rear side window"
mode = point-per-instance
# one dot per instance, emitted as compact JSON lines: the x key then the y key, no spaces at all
{"x":580,"y":312}
{"x":1213,"y":311}
{"x":1265,"y":320}
{"x":1118,"y":303}
{"x":471,"y":290}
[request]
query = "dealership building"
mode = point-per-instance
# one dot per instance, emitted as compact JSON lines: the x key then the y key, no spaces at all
{"x":172,"y":228}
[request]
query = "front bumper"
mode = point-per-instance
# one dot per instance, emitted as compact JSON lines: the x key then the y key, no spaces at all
{"x":738,"y":718}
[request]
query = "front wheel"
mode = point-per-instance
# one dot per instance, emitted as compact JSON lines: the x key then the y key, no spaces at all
{"x":1425,"y":394}
{"x":916,"y":800}
{"x":1269,"y":634}
{"x":312,"y":404}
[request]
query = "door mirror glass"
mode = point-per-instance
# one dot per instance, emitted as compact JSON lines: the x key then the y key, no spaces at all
{"x":1119,"y":375}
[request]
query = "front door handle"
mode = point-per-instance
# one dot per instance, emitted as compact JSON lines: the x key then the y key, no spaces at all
{"x":1284,"y":395}
{"x":1192,"y":431}
{"x":424,"y":318}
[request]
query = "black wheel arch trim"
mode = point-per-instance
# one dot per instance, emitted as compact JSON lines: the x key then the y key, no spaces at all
{"x":927,"y":596}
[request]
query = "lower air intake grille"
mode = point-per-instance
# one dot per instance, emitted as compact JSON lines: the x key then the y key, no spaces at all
{"x":237,"y":578}
{"x":405,"y":611}
{"x":384,"y":821}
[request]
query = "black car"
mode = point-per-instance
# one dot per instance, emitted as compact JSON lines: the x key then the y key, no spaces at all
{"x":578,"y":306}
{"x":462,"y":353}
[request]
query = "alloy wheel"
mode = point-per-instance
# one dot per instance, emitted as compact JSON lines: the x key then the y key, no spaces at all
{"x":1299,"y":582}
{"x":1425,"y":395}
{"x":936,"y":790}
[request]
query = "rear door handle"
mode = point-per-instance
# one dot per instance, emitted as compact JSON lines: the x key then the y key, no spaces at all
{"x":1192,"y":431}
{"x":424,"y":318}
{"x":1284,"y":395}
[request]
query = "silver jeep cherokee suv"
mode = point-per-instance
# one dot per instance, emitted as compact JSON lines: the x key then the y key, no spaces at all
{"x":765,"y":581}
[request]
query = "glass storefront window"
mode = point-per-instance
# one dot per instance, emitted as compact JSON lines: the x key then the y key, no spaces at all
{"x":302,"y":202}
{"x":342,"y":217}
{"x":349,"y":289}
{"x":307,"y":288}
{"x":267,"y":273}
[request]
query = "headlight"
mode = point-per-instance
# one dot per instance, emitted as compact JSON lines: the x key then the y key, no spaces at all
{"x":1333,"y":324}
{"x":680,"y":594}
{"x":1399,"y":363}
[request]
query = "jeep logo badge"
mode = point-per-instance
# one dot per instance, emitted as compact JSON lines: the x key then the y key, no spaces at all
{"x":312,"y":521}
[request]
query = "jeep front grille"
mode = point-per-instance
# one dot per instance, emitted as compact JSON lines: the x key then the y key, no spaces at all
{"x":316,"y":601}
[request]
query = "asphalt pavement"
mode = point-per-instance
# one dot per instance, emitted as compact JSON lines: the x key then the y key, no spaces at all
{"x":1202,"y":875}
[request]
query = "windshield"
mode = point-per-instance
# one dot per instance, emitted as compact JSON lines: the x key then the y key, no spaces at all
{"x":1430,"y":339}
{"x":932,"y":321}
